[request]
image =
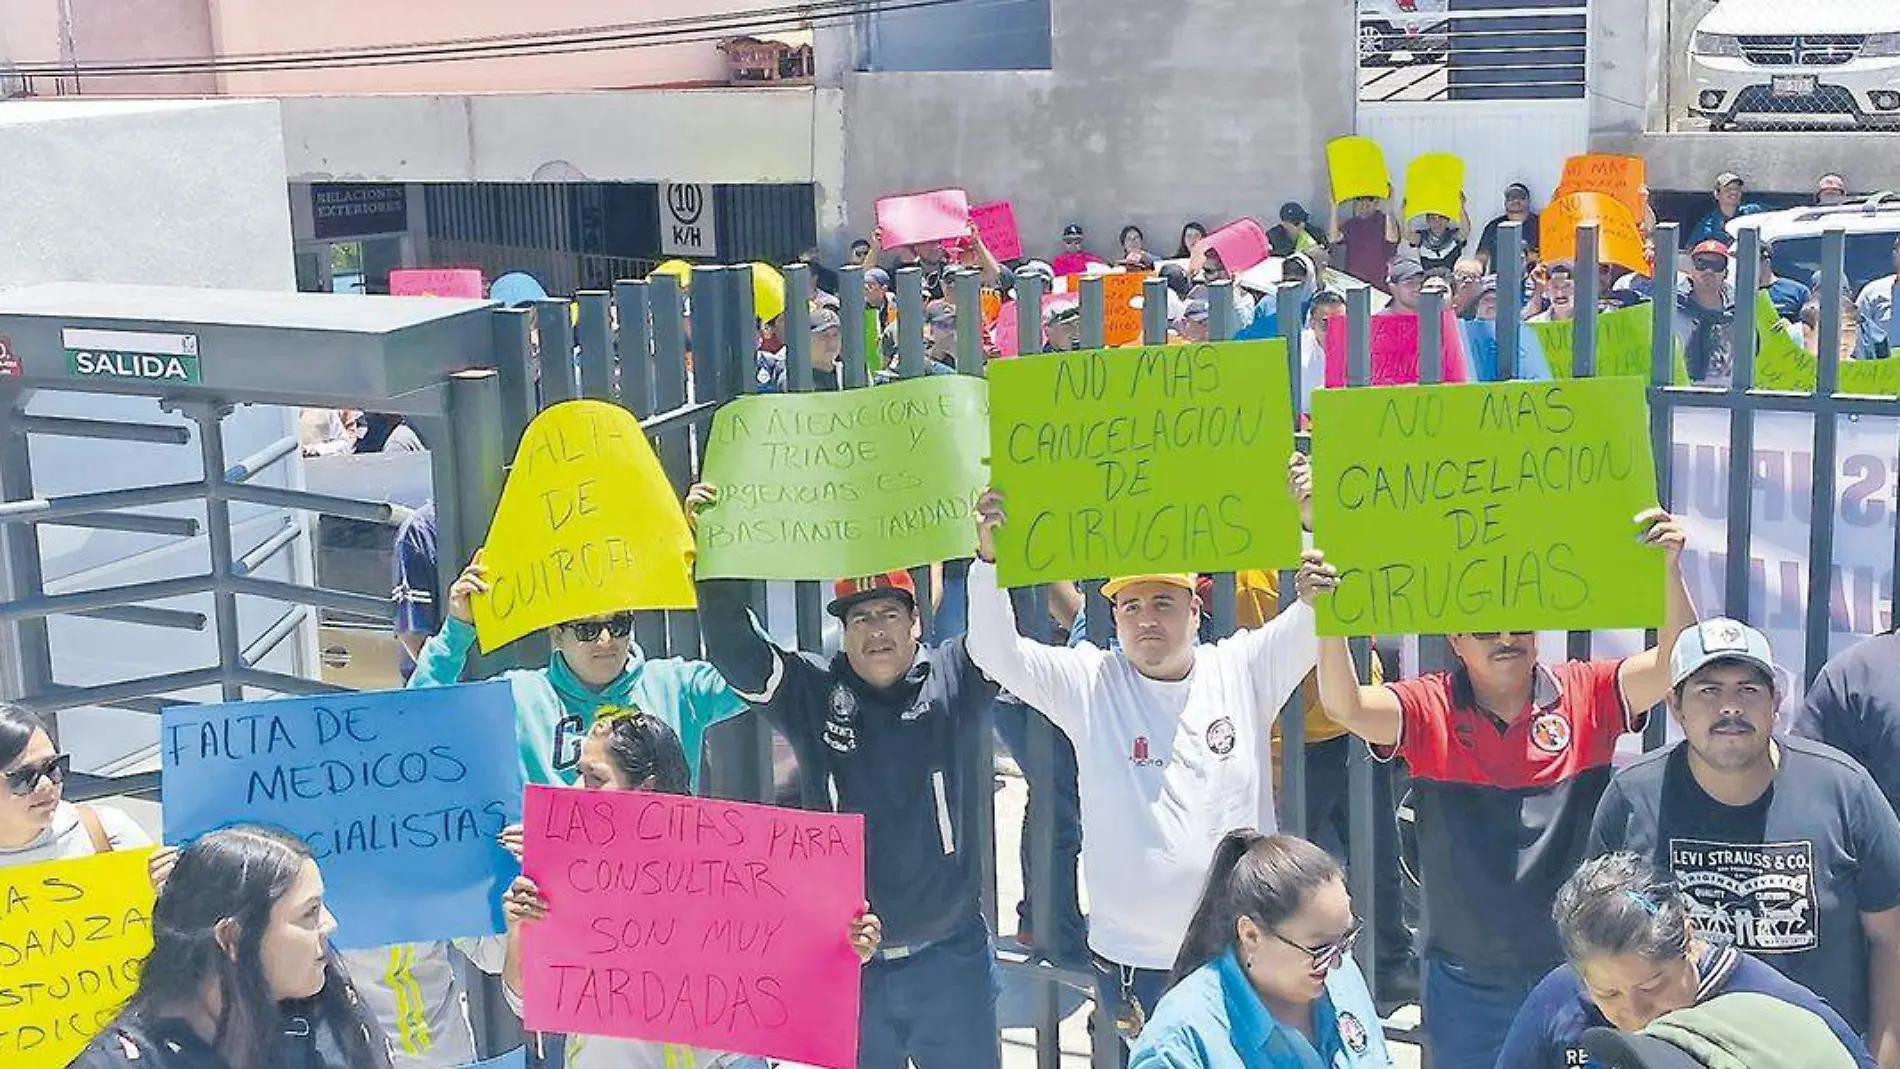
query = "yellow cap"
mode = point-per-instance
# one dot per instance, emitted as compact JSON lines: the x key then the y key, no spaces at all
{"x":1123,"y":582}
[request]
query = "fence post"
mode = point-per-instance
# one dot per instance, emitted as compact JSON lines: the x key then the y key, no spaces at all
{"x":1509,"y":269}
{"x":1662,"y":372}
{"x":1741,"y":425}
{"x":1583,"y":334}
{"x":597,"y":344}
{"x":1290,"y":803}
{"x":1826,"y":448}
{"x":557,"y":352}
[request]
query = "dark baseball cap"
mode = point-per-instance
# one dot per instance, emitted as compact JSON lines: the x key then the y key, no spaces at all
{"x":1293,"y":212}
{"x":1073,"y":230}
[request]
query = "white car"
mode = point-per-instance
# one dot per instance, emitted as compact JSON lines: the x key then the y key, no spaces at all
{"x":1803,"y":63}
{"x":1871,"y":226}
{"x":1391,"y":29}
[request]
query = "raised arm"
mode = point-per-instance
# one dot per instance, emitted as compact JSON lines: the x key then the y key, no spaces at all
{"x":750,"y":664}
{"x":1372,"y":713}
{"x":1644,"y":678}
{"x":440,"y":661}
{"x":1048,"y":678}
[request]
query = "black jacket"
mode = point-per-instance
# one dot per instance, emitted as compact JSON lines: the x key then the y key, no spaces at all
{"x":907,"y":757}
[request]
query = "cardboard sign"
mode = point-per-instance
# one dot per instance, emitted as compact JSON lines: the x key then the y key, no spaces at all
{"x":73,"y":935}
{"x":1395,"y":350}
{"x":400,"y":795}
{"x":1241,"y":244}
{"x":1435,"y":185}
{"x":1780,"y":364}
{"x":436,"y":282}
{"x":687,"y":920}
{"x":921,"y":217}
{"x":1357,"y":168}
{"x":996,"y":226}
{"x":840,"y":483}
{"x":1621,"y":177}
{"x":768,"y":292}
{"x":1121,"y":303}
{"x":588,"y":525}
{"x":1618,"y":240}
{"x":1114,"y":461}
{"x":1623,"y":345}
{"x":1513,"y":504}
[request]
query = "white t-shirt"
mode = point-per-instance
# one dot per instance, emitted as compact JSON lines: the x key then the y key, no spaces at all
{"x":66,"y":837}
{"x":1166,"y":769}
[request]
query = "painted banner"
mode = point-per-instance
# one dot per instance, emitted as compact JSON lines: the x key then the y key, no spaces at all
{"x":1618,"y":240}
{"x":1395,"y":350}
{"x":843,"y":483}
{"x":1357,"y":168}
{"x":400,"y":795}
{"x":1859,"y":577}
{"x":1621,"y":177}
{"x":73,"y":935}
{"x":587,"y":525}
{"x":939,"y":215}
{"x":714,"y":924}
{"x":1241,"y":244}
{"x":436,"y":282}
{"x":1158,"y":459}
{"x":1435,"y":185}
{"x":996,"y":226}
{"x":1485,"y":507}
{"x":1623,"y":344}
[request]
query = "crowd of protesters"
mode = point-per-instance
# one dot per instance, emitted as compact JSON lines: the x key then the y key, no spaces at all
{"x":1737,"y":892}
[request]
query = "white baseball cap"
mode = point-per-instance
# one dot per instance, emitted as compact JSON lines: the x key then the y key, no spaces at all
{"x":1720,"y":639}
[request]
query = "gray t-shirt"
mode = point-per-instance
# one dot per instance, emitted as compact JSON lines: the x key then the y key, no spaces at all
{"x":66,"y":837}
{"x":1854,"y":706}
{"x":1785,"y":878}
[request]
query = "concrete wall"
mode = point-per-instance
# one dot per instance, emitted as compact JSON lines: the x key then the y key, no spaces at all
{"x":186,"y":193}
{"x":109,"y":31}
{"x":1151,"y":114}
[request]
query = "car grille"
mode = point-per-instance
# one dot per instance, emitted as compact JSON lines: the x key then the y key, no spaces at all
{"x":1811,"y":50}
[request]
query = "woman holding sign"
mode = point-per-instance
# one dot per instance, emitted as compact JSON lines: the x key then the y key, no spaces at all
{"x":241,"y":975}
{"x":36,"y":824}
{"x":629,"y":750}
{"x":1265,"y":977}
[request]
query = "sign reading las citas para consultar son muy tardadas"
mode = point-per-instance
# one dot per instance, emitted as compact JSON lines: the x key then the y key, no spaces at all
{"x":136,"y":355}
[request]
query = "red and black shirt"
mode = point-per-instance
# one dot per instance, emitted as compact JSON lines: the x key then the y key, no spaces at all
{"x":1504,"y":809}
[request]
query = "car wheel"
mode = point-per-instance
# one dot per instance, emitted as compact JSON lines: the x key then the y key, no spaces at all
{"x":1375,"y":44}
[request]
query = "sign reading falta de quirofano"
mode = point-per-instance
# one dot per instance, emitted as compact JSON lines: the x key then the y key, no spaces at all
{"x":131,"y":355}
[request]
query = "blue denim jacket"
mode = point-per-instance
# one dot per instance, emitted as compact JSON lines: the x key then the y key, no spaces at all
{"x":1213,"y":1019}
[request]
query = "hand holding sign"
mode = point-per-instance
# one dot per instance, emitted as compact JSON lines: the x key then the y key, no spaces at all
{"x":587,"y":525}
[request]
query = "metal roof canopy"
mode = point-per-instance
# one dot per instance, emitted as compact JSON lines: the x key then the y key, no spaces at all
{"x":261,"y":347}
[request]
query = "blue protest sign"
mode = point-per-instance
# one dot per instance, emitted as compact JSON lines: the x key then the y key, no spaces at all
{"x":400,"y":794}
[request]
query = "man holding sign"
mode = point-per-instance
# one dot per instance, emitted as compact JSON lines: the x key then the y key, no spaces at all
{"x":1508,"y":758}
{"x":1168,"y":739}
{"x":894,"y":727}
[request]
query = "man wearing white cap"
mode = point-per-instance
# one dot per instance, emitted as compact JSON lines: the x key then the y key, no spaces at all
{"x":1784,"y":847}
{"x":1170,"y":742}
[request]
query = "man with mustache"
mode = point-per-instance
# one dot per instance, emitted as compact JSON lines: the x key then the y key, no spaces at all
{"x":1508,"y":758}
{"x":1785,"y":848}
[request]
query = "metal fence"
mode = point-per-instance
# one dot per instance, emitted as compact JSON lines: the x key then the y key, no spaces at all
{"x":1793,"y":71}
{"x":1432,"y":50}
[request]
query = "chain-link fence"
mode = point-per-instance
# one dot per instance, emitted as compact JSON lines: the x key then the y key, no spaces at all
{"x":1786,"y":67}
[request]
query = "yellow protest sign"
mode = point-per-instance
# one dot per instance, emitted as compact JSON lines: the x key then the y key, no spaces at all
{"x":768,"y":291}
{"x":1435,"y":185}
{"x":1357,"y":166}
{"x":73,"y":935}
{"x":1622,"y":177}
{"x":587,"y":525}
{"x":1618,"y":240}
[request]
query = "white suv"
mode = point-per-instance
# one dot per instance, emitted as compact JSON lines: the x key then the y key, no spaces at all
{"x":1800,"y":63}
{"x":1872,"y":226}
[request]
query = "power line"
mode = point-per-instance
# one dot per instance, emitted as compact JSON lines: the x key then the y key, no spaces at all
{"x":682,"y":30}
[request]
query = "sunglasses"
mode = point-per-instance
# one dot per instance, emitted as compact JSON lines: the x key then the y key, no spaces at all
{"x":26,"y":779}
{"x":619,"y":625}
{"x":1710,"y":263}
{"x":1493,"y":636}
{"x":1331,"y":954}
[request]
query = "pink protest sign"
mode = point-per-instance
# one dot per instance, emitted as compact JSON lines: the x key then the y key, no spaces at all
{"x":718,"y":925}
{"x":1241,"y":244}
{"x":436,"y":282}
{"x":1395,"y":350}
{"x":996,"y":225}
{"x":922,"y":217}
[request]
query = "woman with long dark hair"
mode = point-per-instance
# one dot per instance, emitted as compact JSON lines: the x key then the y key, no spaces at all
{"x":1265,"y":978}
{"x":630,"y":750}
{"x":241,"y":974}
{"x":1191,"y":235}
{"x":36,"y":822}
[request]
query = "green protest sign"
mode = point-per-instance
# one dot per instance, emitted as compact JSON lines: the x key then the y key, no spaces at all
{"x":1504,"y":506}
{"x":1158,"y":459}
{"x":1780,"y":364}
{"x":844,"y":483}
{"x":1623,"y":345}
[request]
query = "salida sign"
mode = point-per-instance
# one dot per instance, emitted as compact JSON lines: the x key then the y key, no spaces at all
{"x":144,"y":356}
{"x":686,"y":220}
